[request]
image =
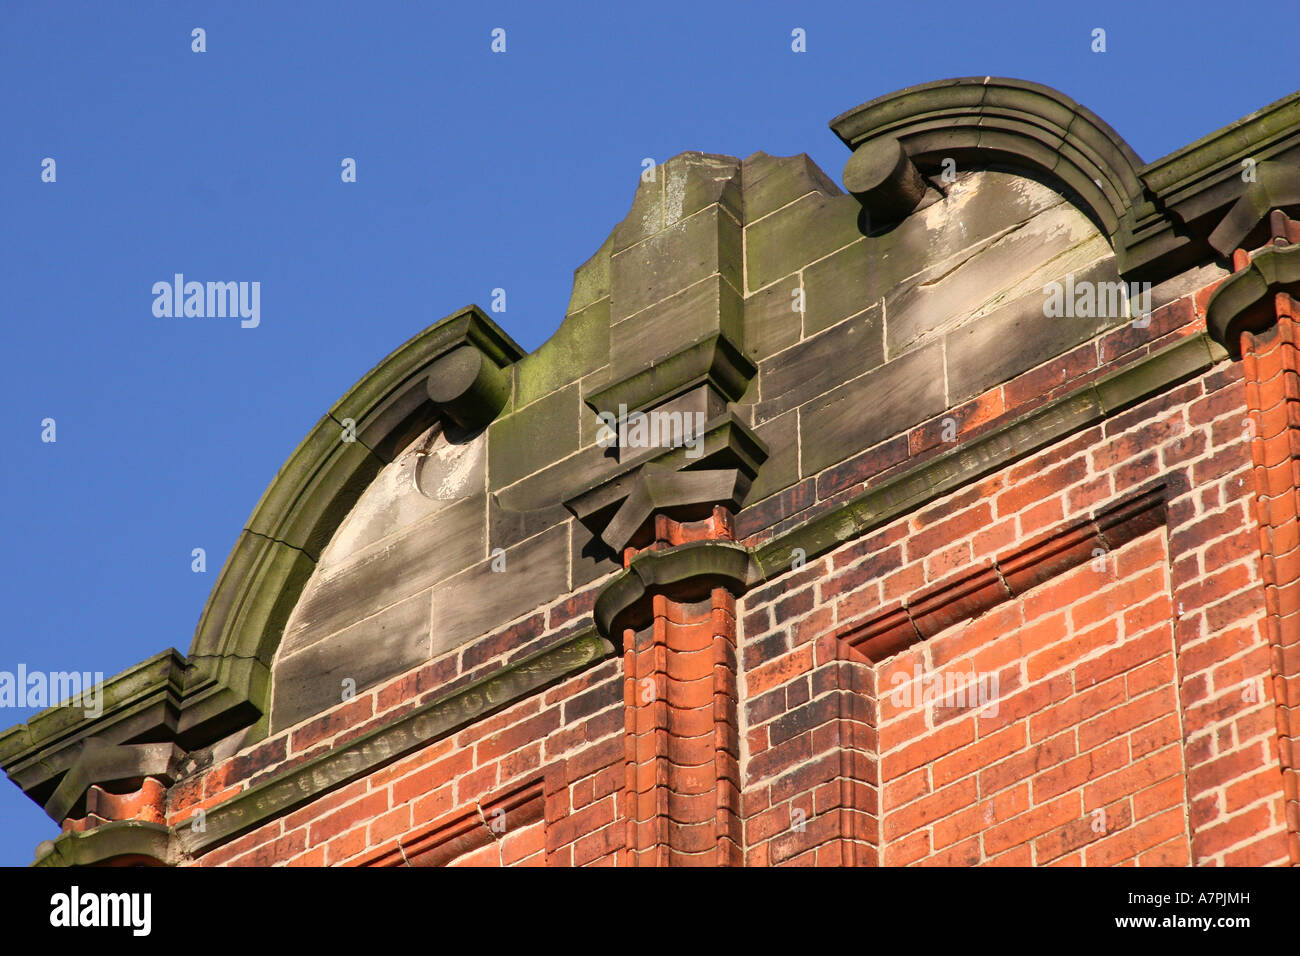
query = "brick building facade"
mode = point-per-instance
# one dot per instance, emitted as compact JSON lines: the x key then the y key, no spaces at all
{"x":949,"y":518}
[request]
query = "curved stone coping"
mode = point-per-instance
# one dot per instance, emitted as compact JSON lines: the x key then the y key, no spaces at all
{"x":124,"y":841}
{"x":1005,"y":119}
{"x":239,"y":631}
{"x":1243,"y":301}
{"x":1158,"y":216}
{"x":356,"y":758}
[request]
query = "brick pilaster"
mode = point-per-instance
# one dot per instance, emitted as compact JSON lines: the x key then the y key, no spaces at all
{"x":683,"y":772}
{"x":1271,"y":361}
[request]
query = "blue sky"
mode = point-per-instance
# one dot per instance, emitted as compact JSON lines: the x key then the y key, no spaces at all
{"x":475,"y":171}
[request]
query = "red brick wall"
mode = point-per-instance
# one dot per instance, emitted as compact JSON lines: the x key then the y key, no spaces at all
{"x":1079,"y":743}
{"x":567,"y":739}
{"x":1136,"y":719}
{"x":429,"y":802}
{"x":1140,"y":690}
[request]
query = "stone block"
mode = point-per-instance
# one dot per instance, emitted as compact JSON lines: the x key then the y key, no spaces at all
{"x":781,"y":469}
{"x":534,"y":436}
{"x":818,"y":364}
{"x":871,"y":408}
{"x":591,"y":558}
{"x":1016,"y":262}
{"x":664,"y":264}
{"x":841,"y":285}
{"x":1017,"y":337}
{"x":591,"y":279}
{"x":509,"y":526}
{"x":480,"y":600}
{"x":801,"y":233}
{"x":388,"y":572}
{"x":707,"y":308}
{"x":579,"y":346}
{"x":694,"y":180}
{"x":430,"y":475}
{"x":644,"y":219}
{"x":775,"y":181}
{"x":772,"y":319}
{"x":367,"y":652}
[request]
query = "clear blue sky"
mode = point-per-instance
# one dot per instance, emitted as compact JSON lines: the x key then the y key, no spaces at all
{"x":474,"y":171}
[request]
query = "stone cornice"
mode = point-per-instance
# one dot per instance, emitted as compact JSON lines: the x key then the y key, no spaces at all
{"x":1276,"y":186}
{"x":144,"y":700}
{"x":1204,"y":177}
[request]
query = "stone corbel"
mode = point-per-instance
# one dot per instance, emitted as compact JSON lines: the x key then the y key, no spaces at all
{"x":461,"y":370}
{"x":658,"y":489}
{"x":1276,"y":187}
{"x":468,"y":386}
{"x":58,"y":746}
{"x":726,"y":444}
{"x":103,"y":765}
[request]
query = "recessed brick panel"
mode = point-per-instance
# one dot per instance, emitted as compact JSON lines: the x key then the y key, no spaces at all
{"x":1016,"y":764}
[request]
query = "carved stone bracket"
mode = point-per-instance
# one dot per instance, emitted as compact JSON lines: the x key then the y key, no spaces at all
{"x":104,"y":768}
{"x":1276,"y":186}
